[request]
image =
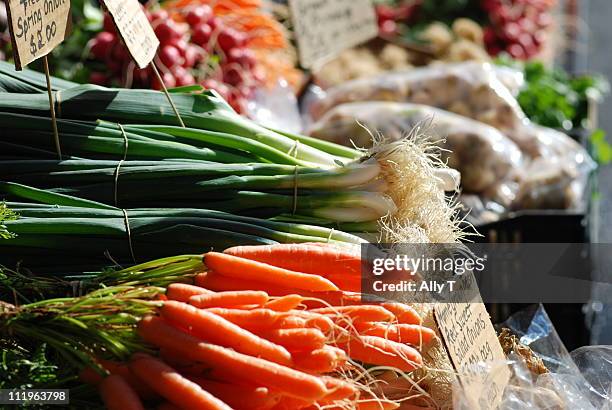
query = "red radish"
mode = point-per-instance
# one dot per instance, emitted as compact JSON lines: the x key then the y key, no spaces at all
{"x":191,"y":56}
{"x":141,"y":76}
{"x":181,"y":45}
{"x":108,"y":23}
{"x":199,"y":15}
{"x":230,"y":38}
{"x":159,"y":15}
{"x":511,"y":31}
{"x":201,"y":35}
{"x":232,"y":76}
{"x":170,"y":56}
{"x":215,"y":23}
{"x":168,"y":79}
{"x":102,"y":44}
{"x":98,"y":78}
{"x":167,"y":31}
{"x":242,"y":56}
{"x":516,"y":51}
{"x":183,"y":77}
{"x":120,"y":53}
{"x":388,"y":28}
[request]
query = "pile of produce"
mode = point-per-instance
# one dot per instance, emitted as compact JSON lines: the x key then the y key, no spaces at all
{"x":232,"y":47}
{"x":281,"y":325}
{"x":198,"y":46}
{"x":517,"y":27}
{"x":134,"y":176}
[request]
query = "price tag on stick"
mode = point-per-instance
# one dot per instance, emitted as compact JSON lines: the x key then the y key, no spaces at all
{"x":324,"y":28}
{"x":36,"y":28}
{"x":138,"y":35}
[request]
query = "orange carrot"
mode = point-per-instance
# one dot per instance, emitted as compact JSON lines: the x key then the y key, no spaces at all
{"x":358,"y":313}
{"x":250,"y":319}
{"x":228,"y":299}
{"x":284,"y":303}
{"x":338,"y":389}
{"x":174,"y":387}
{"x":121,"y":369}
{"x":324,"y":360}
{"x":404,"y":313}
{"x":291,"y":403}
{"x":317,"y":259}
{"x":217,"y":330}
{"x":255,"y":370}
{"x":382,"y":352}
{"x":118,"y":395}
{"x":402,"y":333}
{"x":219,"y":283}
{"x":297,"y":339}
{"x":241,"y":268}
{"x":239,"y":396}
{"x":182,"y":291}
{"x":215,"y":281}
{"x":182,"y":365}
{"x":315,"y":320}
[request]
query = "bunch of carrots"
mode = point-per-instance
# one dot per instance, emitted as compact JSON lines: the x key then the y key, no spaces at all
{"x":267,"y":327}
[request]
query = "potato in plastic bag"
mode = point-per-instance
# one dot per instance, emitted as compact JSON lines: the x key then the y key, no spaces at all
{"x":482,"y":155}
{"x":477,"y":90}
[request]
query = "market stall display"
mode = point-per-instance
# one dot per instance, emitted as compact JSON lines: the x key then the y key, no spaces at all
{"x":197,"y":248}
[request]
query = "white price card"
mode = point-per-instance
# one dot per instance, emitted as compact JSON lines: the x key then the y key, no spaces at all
{"x":135,"y":29}
{"x":324,"y":28}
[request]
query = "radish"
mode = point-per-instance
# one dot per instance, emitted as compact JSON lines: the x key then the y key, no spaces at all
{"x":102,"y":44}
{"x":98,"y":78}
{"x":201,"y":35}
{"x":170,"y":56}
{"x":183,"y":77}
{"x":168,"y":79}
{"x":230,"y":38}
{"x":191,"y":56}
{"x":108,"y":23}
{"x":159,"y":15}
{"x":199,"y":15}
{"x":242,"y":56}
{"x":167,"y":31}
{"x":232,"y":76}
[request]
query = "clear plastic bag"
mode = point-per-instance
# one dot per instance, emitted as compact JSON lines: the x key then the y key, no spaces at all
{"x":484,"y":157}
{"x":470,"y":89}
{"x":581,"y":380}
{"x":558,"y":177}
{"x":276,"y":107}
{"x":555,"y":170}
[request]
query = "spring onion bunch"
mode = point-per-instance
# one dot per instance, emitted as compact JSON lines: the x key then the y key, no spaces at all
{"x":261,"y":172}
{"x":61,"y":233}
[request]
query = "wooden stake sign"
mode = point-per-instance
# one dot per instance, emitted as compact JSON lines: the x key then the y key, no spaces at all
{"x":139,"y":38}
{"x":324,"y":28}
{"x":470,"y":338}
{"x":135,"y":29}
{"x":36,"y":27}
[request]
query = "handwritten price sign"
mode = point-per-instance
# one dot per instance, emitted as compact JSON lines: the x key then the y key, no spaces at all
{"x":324,"y":28}
{"x":37,"y":27}
{"x":135,"y":29}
